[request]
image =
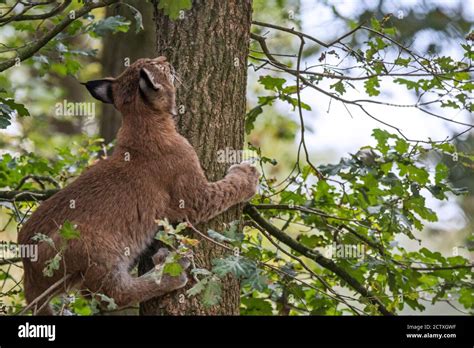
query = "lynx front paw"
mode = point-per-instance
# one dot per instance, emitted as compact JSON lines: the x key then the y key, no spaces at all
{"x":250,"y":174}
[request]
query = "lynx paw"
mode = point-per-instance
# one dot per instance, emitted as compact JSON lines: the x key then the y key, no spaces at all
{"x":177,"y":282}
{"x":168,"y":282}
{"x":160,"y":257}
{"x":250,"y":174}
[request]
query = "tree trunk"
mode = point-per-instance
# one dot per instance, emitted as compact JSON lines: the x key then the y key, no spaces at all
{"x":121,"y":49}
{"x":208,"y":48}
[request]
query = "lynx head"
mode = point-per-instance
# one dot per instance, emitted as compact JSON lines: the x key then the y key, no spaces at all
{"x":147,"y":83}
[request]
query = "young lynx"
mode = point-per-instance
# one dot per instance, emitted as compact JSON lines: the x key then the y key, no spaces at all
{"x":154,"y":173}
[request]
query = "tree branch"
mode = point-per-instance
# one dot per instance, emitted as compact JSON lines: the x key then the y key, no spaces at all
{"x":30,"y":50}
{"x":4,"y":262}
{"x":22,"y":17}
{"x":27,"y":196}
{"x":318,"y":258}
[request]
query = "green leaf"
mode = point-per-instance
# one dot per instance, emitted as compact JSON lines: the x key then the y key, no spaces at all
{"x":72,"y":66}
{"x":408,"y":83}
{"x":375,"y":24}
{"x":40,"y":237}
{"x":420,"y":175}
{"x":212,"y":293}
{"x":251,"y":117}
{"x":290,"y":89}
{"x":339,"y":87}
{"x":401,"y":146}
{"x":137,"y":16}
{"x":431,"y":255}
{"x":218,"y":236}
{"x":52,"y":265}
{"x":110,"y":24}
{"x":429,"y":280}
{"x":174,"y":269}
{"x":256,"y":280}
{"x":172,"y":8}
{"x":233,"y":231}
{"x":390,"y":31}
{"x":441,"y":172}
{"x":294,"y":102}
{"x":386,"y":167}
{"x":166,"y":238}
{"x":371,"y":86}
{"x":466,"y":297}
{"x":381,"y":136}
{"x":8,"y":107}
{"x":311,"y":241}
{"x":403,"y":61}
{"x":272,"y":83}
{"x":5,"y":119}
{"x":69,"y":231}
{"x":111,"y":305}
{"x":237,"y":265}
{"x":81,"y":306}
{"x":417,"y":204}
{"x":181,"y":227}
{"x":198,"y":287}
{"x":19,"y":108}
{"x":231,"y":234}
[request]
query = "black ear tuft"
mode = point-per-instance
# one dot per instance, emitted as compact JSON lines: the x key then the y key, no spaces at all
{"x":101,"y":90}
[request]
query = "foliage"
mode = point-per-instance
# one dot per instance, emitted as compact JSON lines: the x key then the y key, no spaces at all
{"x":371,"y":201}
{"x":60,"y":55}
{"x":368,"y":201}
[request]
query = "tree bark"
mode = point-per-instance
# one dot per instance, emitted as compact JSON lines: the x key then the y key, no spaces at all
{"x":120,"y":49}
{"x":209,"y":49}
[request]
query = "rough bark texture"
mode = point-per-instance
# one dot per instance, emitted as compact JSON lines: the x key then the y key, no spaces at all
{"x":208,"y":48}
{"x":118,"y":47}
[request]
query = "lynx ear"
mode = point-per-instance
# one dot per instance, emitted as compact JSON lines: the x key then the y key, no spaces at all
{"x":101,"y":90}
{"x":147,"y":82}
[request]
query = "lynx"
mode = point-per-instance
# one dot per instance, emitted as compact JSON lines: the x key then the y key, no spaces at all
{"x":153,"y":173}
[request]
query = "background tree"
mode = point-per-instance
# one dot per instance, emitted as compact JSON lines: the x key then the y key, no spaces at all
{"x":121,"y":49}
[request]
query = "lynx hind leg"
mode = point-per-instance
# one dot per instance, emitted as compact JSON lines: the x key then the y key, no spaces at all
{"x":127,"y":290}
